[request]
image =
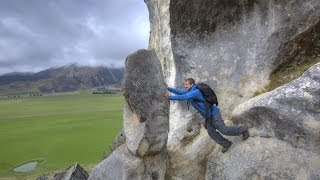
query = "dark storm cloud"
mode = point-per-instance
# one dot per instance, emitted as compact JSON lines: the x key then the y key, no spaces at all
{"x":38,"y":34}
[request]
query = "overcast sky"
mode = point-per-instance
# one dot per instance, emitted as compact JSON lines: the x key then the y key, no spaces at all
{"x":38,"y":34}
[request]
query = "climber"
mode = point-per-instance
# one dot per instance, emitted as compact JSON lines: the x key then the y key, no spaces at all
{"x":213,"y":120}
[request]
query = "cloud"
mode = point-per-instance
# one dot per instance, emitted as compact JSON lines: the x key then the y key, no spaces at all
{"x":38,"y":34}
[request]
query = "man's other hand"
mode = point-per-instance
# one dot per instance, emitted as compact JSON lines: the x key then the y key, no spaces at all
{"x":165,"y":96}
{"x":166,"y":85}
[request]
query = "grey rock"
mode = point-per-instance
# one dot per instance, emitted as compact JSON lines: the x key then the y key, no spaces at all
{"x":119,"y":140}
{"x":74,"y":172}
{"x":290,"y":113}
{"x":122,"y":164}
{"x":42,"y":177}
{"x":146,"y":122}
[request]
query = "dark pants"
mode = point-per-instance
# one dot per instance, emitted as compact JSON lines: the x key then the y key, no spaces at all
{"x":216,"y":123}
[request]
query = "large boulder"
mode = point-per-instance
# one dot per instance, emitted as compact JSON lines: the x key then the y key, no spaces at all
{"x":145,"y":123}
{"x":146,"y":120}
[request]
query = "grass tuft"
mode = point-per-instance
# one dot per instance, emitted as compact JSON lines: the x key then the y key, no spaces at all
{"x":286,"y":74}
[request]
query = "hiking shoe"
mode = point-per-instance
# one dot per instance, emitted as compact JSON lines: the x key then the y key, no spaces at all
{"x":245,"y":135}
{"x":225,"y":148}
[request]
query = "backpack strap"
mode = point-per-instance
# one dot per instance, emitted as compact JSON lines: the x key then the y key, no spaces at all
{"x":188,"y":104}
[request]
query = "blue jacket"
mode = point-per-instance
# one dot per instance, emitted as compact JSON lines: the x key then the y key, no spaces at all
{"x":196,"y":98}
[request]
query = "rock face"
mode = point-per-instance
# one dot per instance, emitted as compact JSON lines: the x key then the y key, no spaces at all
{"x":233,"y":46}
{"x":145,"y":123}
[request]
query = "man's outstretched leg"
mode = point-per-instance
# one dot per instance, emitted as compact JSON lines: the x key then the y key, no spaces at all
{"x":229,"y":130}
{"x":217,"y":137}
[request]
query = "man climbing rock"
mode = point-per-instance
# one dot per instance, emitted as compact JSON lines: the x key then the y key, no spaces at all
{"x":212,"y":116}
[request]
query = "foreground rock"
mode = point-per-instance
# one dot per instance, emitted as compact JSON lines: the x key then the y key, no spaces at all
{"x":75,"y":172}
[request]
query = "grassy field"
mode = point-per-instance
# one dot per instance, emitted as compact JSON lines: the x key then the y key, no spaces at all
{"x":58,"y":130}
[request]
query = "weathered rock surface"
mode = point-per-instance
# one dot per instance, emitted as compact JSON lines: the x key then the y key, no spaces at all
{"x":121,"y":164}
{"x":146,"y":121}
{"x":118,"y":141}
{"x":75,"y":172}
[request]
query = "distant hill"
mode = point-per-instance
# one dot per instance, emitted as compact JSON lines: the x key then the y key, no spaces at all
{"x":63,"y":79}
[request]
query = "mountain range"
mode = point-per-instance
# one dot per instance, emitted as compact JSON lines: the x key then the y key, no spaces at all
{"x":63,"y":79}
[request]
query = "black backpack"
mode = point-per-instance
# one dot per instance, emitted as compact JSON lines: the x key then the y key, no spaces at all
{"x":211,"y":99}
{"x":208,"y":94}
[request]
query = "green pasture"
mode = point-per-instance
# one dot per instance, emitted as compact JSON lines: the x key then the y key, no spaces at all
{"x":57,"y":130}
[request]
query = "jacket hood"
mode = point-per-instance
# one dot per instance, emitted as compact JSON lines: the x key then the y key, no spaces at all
{"x":193,"y":87}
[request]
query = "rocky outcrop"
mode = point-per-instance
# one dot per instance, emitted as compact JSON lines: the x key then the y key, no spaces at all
{"x":145,"y":122}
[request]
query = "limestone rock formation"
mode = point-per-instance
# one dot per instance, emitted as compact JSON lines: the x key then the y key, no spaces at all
{"x":145,"y":122}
